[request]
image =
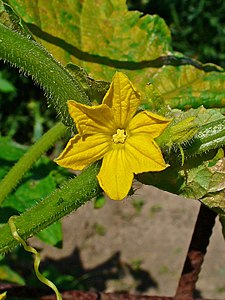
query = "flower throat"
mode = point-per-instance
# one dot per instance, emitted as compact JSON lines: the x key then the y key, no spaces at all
{"x":120,"y":136}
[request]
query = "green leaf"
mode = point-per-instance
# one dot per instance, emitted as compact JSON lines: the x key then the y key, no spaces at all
{"x":7,"y":274}
{"x":52,"y":235}
{"x":30,"y":191}
{"x":37,"y":184}
{"x":201,"y":181}
{"x":207,"y":183}
{"x":5,"y":85}
{"x":70,"y":196}
{"x":10,"y":150}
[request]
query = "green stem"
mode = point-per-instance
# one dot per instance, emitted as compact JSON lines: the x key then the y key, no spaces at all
{"x":61,"y":202}
{"x":209,"y":137}
{"x":25,"y":163}
{"x":34,"y":60}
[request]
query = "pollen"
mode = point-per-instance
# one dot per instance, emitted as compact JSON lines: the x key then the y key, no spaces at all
{"x":120,"y":136}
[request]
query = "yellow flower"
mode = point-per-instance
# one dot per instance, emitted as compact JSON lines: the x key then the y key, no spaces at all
{"x":113,"y":132}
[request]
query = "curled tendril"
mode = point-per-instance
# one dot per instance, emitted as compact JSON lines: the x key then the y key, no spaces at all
{"x":37,"y":258}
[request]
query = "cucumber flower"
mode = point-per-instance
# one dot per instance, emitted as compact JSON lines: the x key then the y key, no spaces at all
{"x":113,"y":132}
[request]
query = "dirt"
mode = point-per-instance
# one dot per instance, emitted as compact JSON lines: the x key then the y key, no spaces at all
{"x":137,"y":245}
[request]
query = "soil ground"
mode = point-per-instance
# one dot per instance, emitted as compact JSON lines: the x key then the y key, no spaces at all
{"x":138,"y":245}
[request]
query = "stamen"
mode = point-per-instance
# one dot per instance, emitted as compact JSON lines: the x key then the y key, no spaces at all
{"x":120,"y":136}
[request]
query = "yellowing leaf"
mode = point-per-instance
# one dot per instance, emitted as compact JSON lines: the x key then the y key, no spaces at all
{"x":55,"y":24}
{"x":113,"y":38}
{"x":71,"y":24}
{"x":186,"y":86}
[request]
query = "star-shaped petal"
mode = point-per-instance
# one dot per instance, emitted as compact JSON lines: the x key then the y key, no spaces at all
{"x":114,"y":133}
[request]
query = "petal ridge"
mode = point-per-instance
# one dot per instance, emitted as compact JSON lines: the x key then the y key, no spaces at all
{"x":80,"y":152}
{"x":115,"y":176}
{"x":147,"y":122}
{"x":122,"y":98}
{"x":91,"y":119}
{"x":144,"y":154}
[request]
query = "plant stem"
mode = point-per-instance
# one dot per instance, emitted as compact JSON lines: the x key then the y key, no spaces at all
{"x":58,"y":84}
{"x":61,"y":202}
{"x":15,"y":174}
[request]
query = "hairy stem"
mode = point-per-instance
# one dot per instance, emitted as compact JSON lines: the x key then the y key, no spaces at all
{"x":10,"y":181}
{"x":58,"y":204}
{"x":208,"y":137}
{"x":34,"y":60}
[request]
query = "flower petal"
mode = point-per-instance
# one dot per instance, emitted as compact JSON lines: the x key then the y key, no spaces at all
{"x":143,"y":154}
{"x":115,"y":176}
{"x":123,"y":99}
{"x":147,"y":122}
{"x":81,"y":152}
{"x":92,"y":119}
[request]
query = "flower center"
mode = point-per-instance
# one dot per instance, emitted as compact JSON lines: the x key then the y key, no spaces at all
{"x":120,"y":136}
